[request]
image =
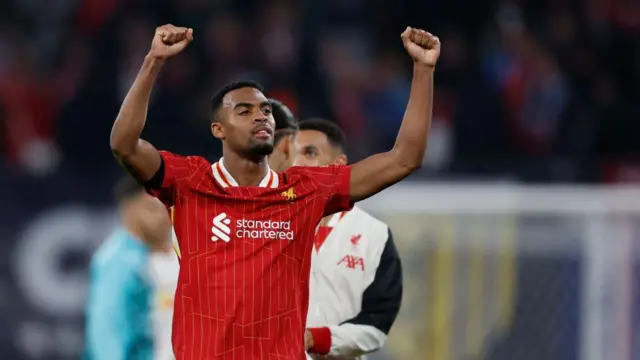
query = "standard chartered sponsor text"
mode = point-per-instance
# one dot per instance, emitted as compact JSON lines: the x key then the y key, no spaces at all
{"x":263,"y":229}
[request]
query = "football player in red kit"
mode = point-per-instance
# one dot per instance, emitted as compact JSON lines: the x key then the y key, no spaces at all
{"x":246,"y":232}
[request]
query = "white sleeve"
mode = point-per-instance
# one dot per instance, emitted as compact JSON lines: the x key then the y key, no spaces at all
{"x":165,"y":352}
{"x":367,"y":331}
{"x":351,"y":340}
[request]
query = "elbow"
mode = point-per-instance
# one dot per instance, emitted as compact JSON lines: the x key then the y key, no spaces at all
{"x":117,"y":149}
{"x":121,"y":148}
{"x":378,"y":343}
{"x":413,"y":166}
{"x":409,"y":161}
{"x":408,"y":168}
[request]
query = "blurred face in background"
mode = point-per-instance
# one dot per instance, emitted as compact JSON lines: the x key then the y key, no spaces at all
{"x":149,"y":219}
{"x":283,"y":153}
{"x":313,"y":148}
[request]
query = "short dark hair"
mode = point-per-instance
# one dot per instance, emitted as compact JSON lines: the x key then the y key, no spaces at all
{"x":282,"y":115}
{"x":216,"y":99}
{"x":286,"y":123}
{"x":281,"y":134}
{"x":127,"y":188}
{"x":334,"y":133}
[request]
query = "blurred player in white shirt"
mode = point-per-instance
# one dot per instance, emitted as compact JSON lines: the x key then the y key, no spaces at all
{"x":356,"y":278}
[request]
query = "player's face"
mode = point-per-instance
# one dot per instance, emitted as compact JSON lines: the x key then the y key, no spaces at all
{"x":283,"y":154}
{"x":246,"y":123}
{"x":312,"y":148}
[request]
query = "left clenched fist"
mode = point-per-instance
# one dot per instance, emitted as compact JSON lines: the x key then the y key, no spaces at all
{"x":423,"y":47}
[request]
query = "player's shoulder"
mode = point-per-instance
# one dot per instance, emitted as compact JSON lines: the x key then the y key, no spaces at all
{"x":366,"y":223}
{"x":296,"y":171}
{"x":358,"y":225}
{"x":312,"y":173}
{"x":366,"y":218}
{"x":194,"y":161}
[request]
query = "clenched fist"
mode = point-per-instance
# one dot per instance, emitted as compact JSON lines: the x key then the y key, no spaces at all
{"x":169,"y":40}
{"x":423,"y":47}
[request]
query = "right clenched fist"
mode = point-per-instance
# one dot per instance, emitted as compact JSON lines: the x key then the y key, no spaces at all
{"x":169,"y":40}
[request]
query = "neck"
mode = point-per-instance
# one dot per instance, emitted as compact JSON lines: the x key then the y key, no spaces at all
{"x":277,"y":162}
{"x":325,"y":220}
{"x":246,"y":171}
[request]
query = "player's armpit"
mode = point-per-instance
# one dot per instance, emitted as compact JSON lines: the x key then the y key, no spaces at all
{"x":171,"y":171}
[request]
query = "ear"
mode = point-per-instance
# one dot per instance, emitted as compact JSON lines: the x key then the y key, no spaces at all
{"x":340,"y":160}
{"x":285,"y":145}
{"x":217,"y":129}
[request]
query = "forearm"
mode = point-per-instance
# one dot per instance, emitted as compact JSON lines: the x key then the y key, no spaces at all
{"x":138,"y":156}
{"x":411,"y":142}
{"x":133,"y":112}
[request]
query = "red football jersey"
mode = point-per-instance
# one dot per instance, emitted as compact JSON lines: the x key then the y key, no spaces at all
{"x":245,"y":256}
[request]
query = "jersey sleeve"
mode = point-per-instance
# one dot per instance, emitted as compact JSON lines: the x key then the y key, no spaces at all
{"x":333,"y":181}
{"x":173,"y":170}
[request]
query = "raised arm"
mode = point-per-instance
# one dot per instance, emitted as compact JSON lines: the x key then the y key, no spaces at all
{"x":380,"y":171}
{"x":137,"y":156}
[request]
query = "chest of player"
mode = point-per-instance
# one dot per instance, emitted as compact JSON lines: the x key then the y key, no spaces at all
{"x":343,"y":266}
{"x":275,"y":218}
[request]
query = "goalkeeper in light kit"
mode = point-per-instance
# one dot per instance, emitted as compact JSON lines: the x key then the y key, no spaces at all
{"x":245,"y":231}
{"x":119,"y":323}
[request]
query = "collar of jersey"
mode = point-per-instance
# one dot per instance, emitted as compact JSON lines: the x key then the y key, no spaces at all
{"x":224,"y":178}
{"x":334,"y":220}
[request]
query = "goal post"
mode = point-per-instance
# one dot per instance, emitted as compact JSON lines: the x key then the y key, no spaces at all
{"x":497,"y":272}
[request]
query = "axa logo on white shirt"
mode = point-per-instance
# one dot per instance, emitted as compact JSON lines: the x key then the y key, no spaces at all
{"x":224,"y":227}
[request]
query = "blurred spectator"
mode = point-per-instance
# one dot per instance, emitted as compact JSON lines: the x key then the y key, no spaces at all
{"x":30,"y":105}
{"x":539,"y":80}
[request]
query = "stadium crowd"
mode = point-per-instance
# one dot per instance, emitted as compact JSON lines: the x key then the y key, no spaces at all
{"x":533,"y":90}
